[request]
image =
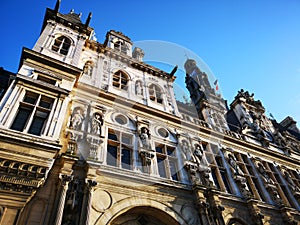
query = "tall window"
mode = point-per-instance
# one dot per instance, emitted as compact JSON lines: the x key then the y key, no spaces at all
{"x":120,"y":80}
{"x":33,"y":113}
{"x":166,"y":161}
{"x":119,"y":149}
{"x":155,"y":93}
{"x":61,"y":45}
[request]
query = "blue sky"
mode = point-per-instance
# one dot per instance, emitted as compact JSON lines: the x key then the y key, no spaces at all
{"x":254,"y":45}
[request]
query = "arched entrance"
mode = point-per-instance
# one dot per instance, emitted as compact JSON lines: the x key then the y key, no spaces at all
{"x":235,"y":221}
{"x":144,"y":215}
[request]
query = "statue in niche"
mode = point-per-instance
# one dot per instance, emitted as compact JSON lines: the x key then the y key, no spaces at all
{"x":203,"y":168}
{"x":269,"y":183}
{"x":235,"y":169}
{"x":77,"y":119}
{"x":238,"y":176}
{"x":145,"y":138}
{"x":97,"y":123}
{"x":262,"y":170}
{"x":139,"y":88}
{"x":88,"y":68}
{"x":186,"y":150}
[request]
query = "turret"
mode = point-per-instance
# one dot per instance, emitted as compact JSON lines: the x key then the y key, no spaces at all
{"x":210,"y":106}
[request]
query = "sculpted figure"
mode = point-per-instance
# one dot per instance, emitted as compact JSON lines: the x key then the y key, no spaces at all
{"x":97,"y":122}
{"x":77,"y":119}
{"x":236,"y":170}
{"x":138,"y":88}
{"x":262,"y":170}
{"x":199,"y":157}
{"x":145,"y":137}
{"x":186,"y":150}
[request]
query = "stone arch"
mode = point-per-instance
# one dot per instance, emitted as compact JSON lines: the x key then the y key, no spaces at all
{"x":125,"y":208}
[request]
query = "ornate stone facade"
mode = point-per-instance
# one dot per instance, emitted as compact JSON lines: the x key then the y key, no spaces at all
{"x":92,"y":135}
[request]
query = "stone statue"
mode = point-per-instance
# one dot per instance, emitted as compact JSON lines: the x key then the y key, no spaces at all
{"x":97,"y":122}
{"x":199,"y":157}
{"x":186,"y":150}
{"x":145,"y":137}
{"x":138,"y":88}
{"x":77,"y":119}
{"x":262,"y":170}
{"x":235,"y":169}
{"x":88,"y":68}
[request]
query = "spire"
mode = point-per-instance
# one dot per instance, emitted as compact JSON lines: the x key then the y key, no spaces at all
{"x":57,"y":5}
{"x":88,"y":20}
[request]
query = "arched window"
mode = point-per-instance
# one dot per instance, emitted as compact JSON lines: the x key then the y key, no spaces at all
{"x":61,"y":45}
{"x":121,"y":46}
{"x":88,"y":68}
{"x":120,"y":80}
{"x":155,"y":93}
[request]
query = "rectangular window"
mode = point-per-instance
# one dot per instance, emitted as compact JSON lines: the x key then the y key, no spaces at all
{"x":119,"y":149}
{"x":33,"y":113}
{"x":166,"y":161}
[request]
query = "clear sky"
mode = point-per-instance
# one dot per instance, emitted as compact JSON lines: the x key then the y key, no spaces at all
{"x":249,"y":44}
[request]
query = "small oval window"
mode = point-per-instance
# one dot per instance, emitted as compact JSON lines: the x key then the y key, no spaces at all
{"x":121,"y":119}
{"x":163,"y":132}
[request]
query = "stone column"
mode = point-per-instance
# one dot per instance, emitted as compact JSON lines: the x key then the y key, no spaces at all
{"x":65,"y":179}
{"x":87,"y":202}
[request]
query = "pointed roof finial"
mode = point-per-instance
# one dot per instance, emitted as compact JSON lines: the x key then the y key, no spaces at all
{"x":88,"y":20}
{"x":57,"y":5}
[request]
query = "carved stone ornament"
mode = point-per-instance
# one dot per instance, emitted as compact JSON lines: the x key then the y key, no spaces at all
{"x":145,"y":137}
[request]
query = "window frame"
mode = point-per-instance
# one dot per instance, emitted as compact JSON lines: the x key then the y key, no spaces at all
{"x":38,"y":106}
{"x":155,"y":93}
{"x":120,"y":80}
{"x":166,"y":159}
{"x":116,"y":139}
{"x":61,"y":45}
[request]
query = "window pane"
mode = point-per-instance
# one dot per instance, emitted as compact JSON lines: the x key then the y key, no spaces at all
{"x":31,"y":97}
{"x":173,"y":170}
{"x":112,"y":136}
{"x":225,"y":181}
{"x":126,"y":159}
{"x":159,"y":149}
{"x":170,"y":151}
{"x":112,"y":154}
{"x":46,"y":102}
{"x":214,"y":176}
{"x":126,"y":139}
{"x":37,"y":125}
{"x":161,"y":167}
{"x":21,"y":119}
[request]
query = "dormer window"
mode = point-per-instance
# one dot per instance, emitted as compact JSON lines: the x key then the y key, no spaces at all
{"x":120,"y":80}
{"x":155,"y":93}
{"x":61,"y":45}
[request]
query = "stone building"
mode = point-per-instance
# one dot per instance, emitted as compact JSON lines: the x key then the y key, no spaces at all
{"x":90,"y":134}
